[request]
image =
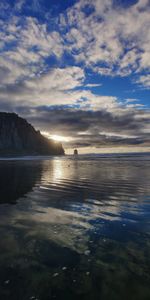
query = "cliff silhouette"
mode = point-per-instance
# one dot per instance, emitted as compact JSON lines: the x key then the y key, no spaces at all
{"x":18,"y":137}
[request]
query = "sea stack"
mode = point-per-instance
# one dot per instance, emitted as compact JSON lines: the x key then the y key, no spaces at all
{"x":75,"y":152}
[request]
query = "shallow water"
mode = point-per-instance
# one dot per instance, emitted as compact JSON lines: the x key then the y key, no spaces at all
{"x":75,"y":228}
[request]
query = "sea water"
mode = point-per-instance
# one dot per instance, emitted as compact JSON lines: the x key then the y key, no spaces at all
{"x":75,"y":228}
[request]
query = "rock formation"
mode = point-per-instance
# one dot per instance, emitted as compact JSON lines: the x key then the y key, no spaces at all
{"x":75,"y":152}
{"x":18,"y":137}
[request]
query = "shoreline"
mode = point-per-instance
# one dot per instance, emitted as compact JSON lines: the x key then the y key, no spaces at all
{"x":90,"y":155}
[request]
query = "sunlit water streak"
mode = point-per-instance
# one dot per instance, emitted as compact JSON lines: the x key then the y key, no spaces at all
{"x":75,"y":228}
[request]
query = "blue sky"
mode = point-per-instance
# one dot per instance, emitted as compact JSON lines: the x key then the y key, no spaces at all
{"x":64,"y":63}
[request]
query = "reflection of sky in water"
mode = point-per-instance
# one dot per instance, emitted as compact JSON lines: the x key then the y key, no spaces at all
{"x":97,"y":209}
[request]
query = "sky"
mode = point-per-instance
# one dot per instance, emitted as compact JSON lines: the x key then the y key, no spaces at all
{"x":79,"y":71}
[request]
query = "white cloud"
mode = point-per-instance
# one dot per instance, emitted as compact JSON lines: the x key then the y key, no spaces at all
{"x":29,"y":43}
{"x":144,"y":81}
{"x":60,"y":86}
{"x":52,"y":88}
{"x":118,"y":37}
{"x":111,"y":41}
{"x":37,"y":35}
{"x":90,"y":85}
{"x":97,"y":102}
{"x":117,"y":135}
{"x":19,"y":4}
{"x":11,"y":71}
{"x":58,"y":79}
{"x":131,"y":100}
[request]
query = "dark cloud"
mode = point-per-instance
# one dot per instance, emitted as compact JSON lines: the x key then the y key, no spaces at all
{"x":89,"y":128}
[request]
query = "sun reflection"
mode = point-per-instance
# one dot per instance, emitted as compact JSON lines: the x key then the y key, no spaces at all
{"x":54,"y":173}
{"x":58,"y":170}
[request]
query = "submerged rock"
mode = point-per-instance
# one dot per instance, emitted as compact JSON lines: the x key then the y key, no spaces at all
{"x":87,"y":252}
{"x":55,"y":274}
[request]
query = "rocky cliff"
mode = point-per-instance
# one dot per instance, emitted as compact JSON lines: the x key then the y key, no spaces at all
{"x":18,"y":137}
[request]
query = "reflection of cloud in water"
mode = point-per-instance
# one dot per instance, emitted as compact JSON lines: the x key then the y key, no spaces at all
{"x":62,"y":227}
{"x":89,"y":217}
{"x":75,"y":198}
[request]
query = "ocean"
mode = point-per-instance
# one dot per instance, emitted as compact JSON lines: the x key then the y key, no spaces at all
{"x":75,"y":227}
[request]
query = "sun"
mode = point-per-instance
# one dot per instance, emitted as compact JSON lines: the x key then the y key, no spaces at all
{"x":55,"y":137}
{"x":59,"y":138}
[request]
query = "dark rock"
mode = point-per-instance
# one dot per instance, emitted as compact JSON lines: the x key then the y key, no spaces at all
{"x":75,"y":152}
{"x":18,"y":137}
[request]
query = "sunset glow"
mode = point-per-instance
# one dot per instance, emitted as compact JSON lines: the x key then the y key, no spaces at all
{"x":55,"y":137}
